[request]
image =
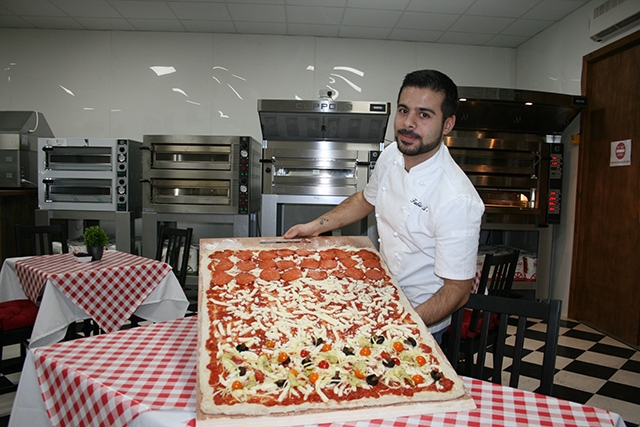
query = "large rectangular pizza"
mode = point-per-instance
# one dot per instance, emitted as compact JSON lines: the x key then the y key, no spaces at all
{"x":312,"y":331}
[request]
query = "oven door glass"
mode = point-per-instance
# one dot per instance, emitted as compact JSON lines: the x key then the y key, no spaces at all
{"x":191,"y":192}
{"x":75,"y":190}
{"x":78,"y":158}
{"x":191,"y":156}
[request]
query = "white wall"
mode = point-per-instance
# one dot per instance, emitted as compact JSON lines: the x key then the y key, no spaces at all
{"x":552,"y":62}
{"x":218,"y":78}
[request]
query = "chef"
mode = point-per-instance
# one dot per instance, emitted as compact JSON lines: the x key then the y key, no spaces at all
{"x":427,"y":211}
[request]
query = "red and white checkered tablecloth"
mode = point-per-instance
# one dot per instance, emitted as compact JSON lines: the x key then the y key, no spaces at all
{"x":109,"y":290}
{"x":111,"y":379}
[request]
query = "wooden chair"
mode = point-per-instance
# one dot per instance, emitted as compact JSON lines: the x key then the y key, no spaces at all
{"x":520,"y":309}
{"x":38,"y":239}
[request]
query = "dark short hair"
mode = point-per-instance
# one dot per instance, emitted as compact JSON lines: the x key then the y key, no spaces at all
{"x":438,"y":82}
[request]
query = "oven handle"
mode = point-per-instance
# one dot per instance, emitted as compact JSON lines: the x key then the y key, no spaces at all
{"x":267,"y":161}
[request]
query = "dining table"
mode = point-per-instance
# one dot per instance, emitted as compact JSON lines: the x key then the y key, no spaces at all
{"x":146,"y":377}
{"x":109,"y":291}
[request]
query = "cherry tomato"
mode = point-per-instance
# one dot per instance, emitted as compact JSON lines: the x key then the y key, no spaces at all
{"x":269,"y":344}
{"x":259,"y":376}
{"x":293,"y":372}
{"x":365,"y":351}
{"x":313,"y":377}
{"x":417,"y":379}
{"x":396,"y":361}
{"x":385,"y":355}
{"x":420,"y":360}
{"x":323,"y":364}
{"x":282,"y":357}
{"x":304,"y":353}
{"x":326,"y":347}
{"x":359,"y":374}
{"x":398,"y":346}
{"x":236,"y":385}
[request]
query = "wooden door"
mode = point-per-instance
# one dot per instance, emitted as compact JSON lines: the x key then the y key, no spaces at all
{"x":605,"y":274}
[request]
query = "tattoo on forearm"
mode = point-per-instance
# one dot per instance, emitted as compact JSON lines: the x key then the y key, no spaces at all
{"x":323,"y":220}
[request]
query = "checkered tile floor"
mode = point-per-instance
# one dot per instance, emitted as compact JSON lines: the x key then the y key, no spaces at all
{"x":591,"y":368}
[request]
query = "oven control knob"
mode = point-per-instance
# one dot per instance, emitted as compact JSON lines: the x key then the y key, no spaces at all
{"x":243,"y":188}
{"x":121,"y":190}
{"x":244,"y":153}
{"x":122,"y":158}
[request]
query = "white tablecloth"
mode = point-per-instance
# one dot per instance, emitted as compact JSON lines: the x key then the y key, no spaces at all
{"x":57,"y":312}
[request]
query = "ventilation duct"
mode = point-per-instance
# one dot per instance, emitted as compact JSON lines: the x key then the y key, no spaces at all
{"x":613,"y":16}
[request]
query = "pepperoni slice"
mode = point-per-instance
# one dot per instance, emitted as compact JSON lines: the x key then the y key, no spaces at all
{"x":340,"y":253}
{"x":348,"y":262}
{"x":246,"y":265}
{"x":221,"y":254}
{"x":291,"y":274}
{"x":374,"y":274}
{"x":285,"y":252}
{"x":328,"y":264}
{"x":372,"y":263}
{"x":270,"y":274}
{"x":303,"y":252}
{"x":244,"y":255}
{"x":309,"y":263}
{"x":338,"y":274}
{"x":245,"y":278}
{"x":365,"y":254}
{"x":267,"y":263}
{"x":285,"y":264}
{"x":221,"y":278}
{"x":328,"y":254}
{"x":264,"y":255}
{"x":355,"y":273}
{"x":223,"y":264}
{"x":317,"y":274}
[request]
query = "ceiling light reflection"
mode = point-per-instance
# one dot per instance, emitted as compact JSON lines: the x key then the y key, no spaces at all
{"x":161,"y":70}
{"x":66,"y":90}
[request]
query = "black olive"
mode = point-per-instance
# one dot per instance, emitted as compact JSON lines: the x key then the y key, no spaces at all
{"x":281,"y":383}
{"x":411,"y":342}
{"x":348,"y":351}
{"x":242,"y":347}
{"x":336,"y":378}
{"x":389,"y":363}
{"x":377,"y":339}
{"x":306,"y":362}
{"x":286,"y":362}
{"x":242,"y":370}
{"x":372,"y":379}
{"x":436,"y":375}
{"x":317,"y":341}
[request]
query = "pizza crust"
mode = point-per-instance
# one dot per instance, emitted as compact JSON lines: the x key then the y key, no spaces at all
{"x":457,"y":397}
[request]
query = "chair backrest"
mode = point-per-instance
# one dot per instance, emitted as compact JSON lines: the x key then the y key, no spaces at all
{"x":38,"y":239}
{"x":173,"y":248}
{"x":498,"y":271}
{"x":520,"y":309}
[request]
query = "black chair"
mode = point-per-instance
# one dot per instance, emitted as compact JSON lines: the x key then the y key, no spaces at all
{"x":496,"y":278}
{"x":520,"y":309}
{"x":38,"y":239}
{"x":173,"y":248}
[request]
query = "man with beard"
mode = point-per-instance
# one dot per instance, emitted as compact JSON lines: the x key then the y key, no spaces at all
{"x":427,"y":211}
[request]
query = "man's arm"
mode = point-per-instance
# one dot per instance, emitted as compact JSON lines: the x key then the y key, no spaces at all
{"x":452,"y":296}
{"x":349,"y":211}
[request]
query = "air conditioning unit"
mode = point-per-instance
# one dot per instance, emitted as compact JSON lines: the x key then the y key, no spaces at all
{"x":613,"y":16}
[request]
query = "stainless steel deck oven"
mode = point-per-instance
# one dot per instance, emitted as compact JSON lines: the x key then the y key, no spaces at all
{"x":201,"y":179}
{"x":315,"y":154}
{"x":91,"y":179}
{"x":509,"y":143}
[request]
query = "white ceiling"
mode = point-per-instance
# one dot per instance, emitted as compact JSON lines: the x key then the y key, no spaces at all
{"x":499,"y":23}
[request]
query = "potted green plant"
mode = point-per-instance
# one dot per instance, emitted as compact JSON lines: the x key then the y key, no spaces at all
{"x":95,"y":239}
